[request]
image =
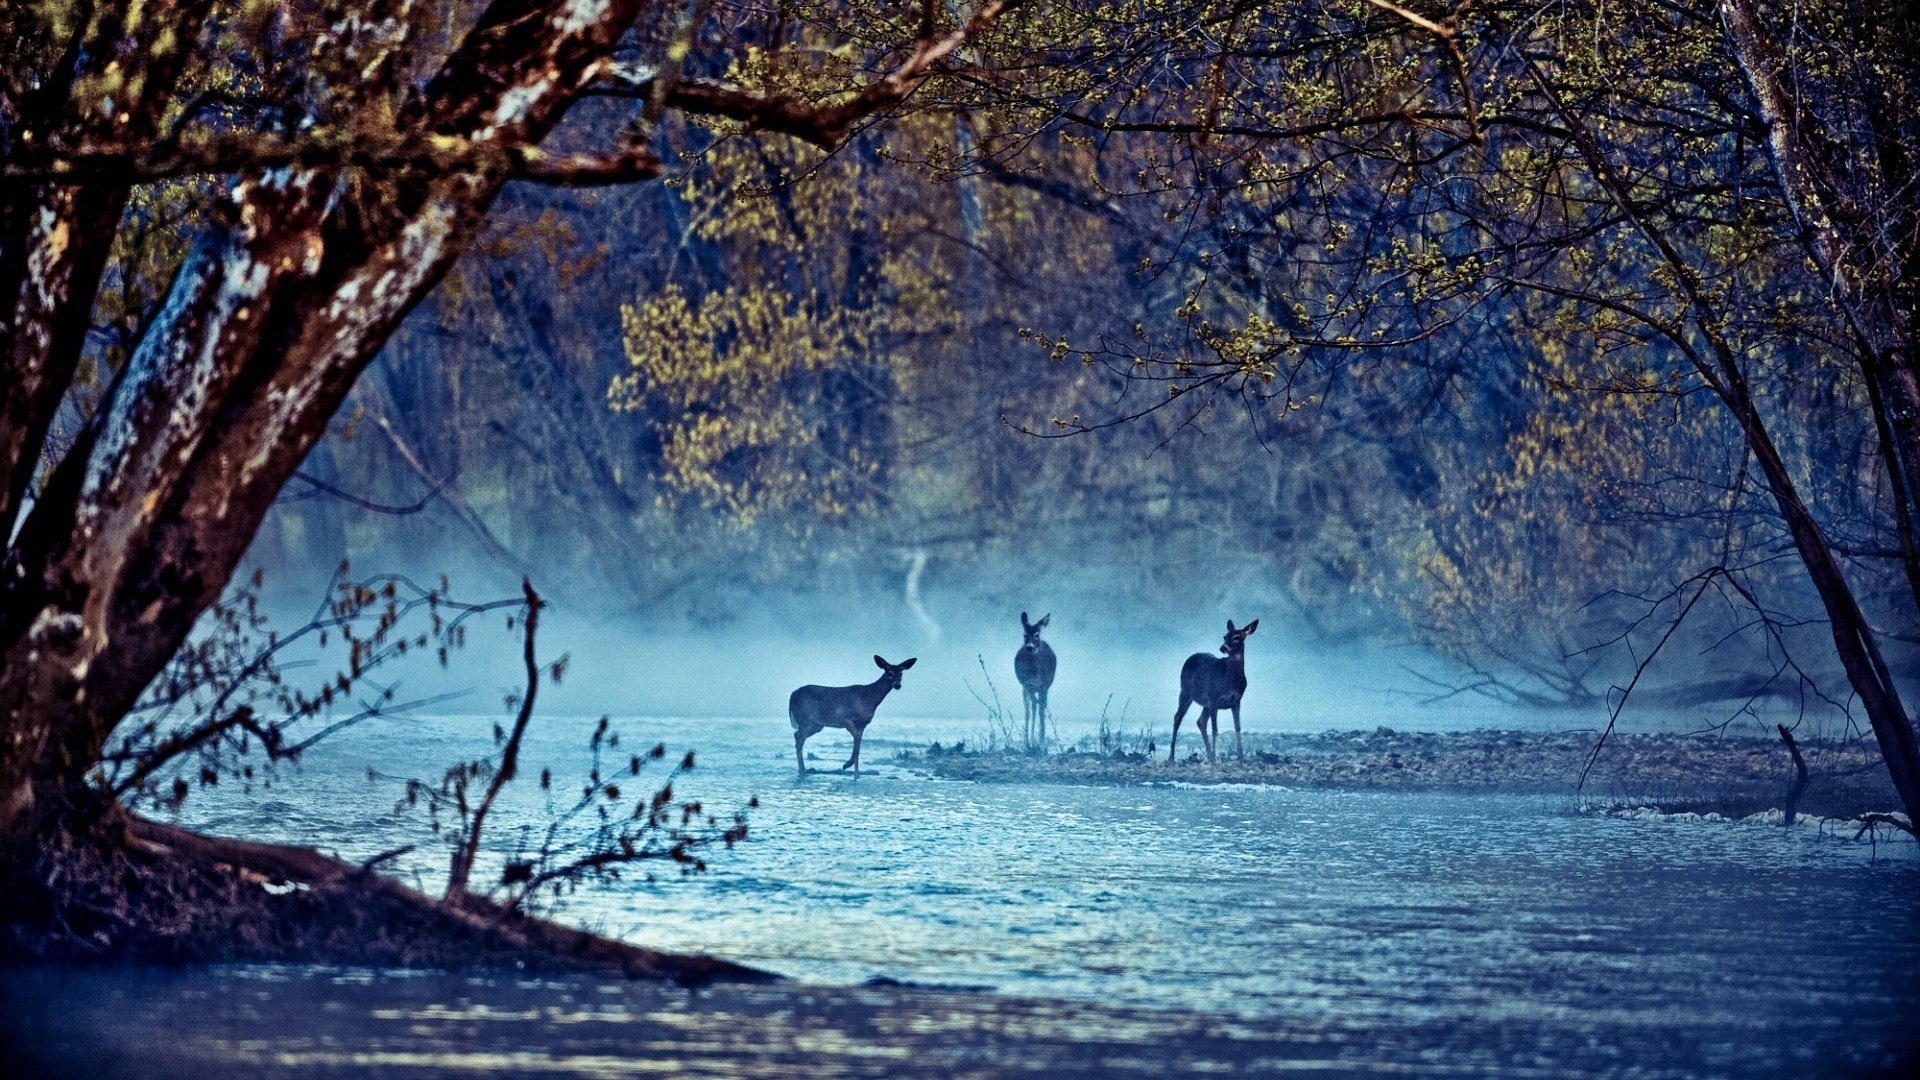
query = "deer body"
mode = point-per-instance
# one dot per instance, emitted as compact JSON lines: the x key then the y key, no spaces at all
{"x":1034,"y":665}
{"x":813,"y":709}
{"x":1214,"y":683}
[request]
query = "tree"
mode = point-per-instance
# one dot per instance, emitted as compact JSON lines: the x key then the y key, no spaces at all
{"x":1428,"y":238}
{"x":355,"y":150}
{"x":1709,"y":203}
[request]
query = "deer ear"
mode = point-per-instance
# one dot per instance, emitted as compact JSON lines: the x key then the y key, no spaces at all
{"x":1251,"y":627}
{"x":1024,"y":624}
{"x":1229,"y":626}
{"x":1044,"y":620}
{"x":880,"y":662}
{"x":909,"y":663}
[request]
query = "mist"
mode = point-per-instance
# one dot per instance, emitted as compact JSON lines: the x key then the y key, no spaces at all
{"x":1120,"y":644}
{"x":474,"y":475}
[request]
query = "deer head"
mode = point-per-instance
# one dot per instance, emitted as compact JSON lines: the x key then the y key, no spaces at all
{"x":891,"y":676}
{"x":1032,"y":629}
{"x":1236,"y":642}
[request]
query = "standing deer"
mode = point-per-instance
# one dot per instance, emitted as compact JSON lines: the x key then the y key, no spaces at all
{"x":1033,"y":665}
{"x":812,"y":709}
{"x":1215,"y":683}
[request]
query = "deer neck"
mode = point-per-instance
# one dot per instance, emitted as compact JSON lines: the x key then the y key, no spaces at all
{"x":876,"y":691}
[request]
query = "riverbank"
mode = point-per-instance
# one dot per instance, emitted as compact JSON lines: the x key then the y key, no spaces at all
{"x":1732,"y":776}
{"x":141,"y":891}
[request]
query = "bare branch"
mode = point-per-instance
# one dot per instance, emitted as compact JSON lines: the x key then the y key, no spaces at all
{"x":468,"y":848}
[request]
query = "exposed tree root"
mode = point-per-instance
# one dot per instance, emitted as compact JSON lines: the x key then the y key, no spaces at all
{"x":141,"y":890}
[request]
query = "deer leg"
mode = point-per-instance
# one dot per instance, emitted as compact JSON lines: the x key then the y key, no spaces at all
{"x":1179,"y":715}
{"x":854,"y":761}
{"x":1041,"y":694}
{"x":800,"y":751}
{"x":1237,"y":751}
{"x":1209,"y":717}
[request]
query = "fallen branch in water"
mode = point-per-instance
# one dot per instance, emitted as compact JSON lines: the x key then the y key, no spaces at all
{"x":1800,"y":776}
{"x":385,"y":856}
{"x":1868,"y":821}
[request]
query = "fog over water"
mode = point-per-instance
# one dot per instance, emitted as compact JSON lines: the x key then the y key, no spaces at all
{"x":1557,"y":434}
{"x":1118,"y":656}
{"x":1416,"y":917}
{"x":1379,"y":908}
{"x":1508,"y":935}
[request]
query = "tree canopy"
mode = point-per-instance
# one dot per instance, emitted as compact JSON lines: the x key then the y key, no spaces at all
{"x":1528,"y":328}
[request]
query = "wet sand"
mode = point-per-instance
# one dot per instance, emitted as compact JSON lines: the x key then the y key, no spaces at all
{"x":1735,"y":775}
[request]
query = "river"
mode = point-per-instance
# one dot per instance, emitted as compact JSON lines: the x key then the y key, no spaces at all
{"x":1511,"y":932}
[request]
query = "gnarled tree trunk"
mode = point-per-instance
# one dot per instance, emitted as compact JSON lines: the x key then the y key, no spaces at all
{"x":328,"y":237}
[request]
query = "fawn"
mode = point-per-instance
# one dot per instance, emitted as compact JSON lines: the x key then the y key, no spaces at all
{"x":1033,"y":665}
{"x":812,"y":709}
{"x":1214,"y":683}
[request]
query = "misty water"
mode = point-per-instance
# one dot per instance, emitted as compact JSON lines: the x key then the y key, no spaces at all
{"x":1702,"y":942}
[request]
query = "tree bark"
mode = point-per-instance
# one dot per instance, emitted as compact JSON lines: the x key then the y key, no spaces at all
{"x":1719,"y":367}
{"x":55,"y":240}
{"x":1866,"y":244}
{"x":263,"y":331}
{"x":1871,"y":277}
{"x":61,"y":257}
{"x":315,"y":256}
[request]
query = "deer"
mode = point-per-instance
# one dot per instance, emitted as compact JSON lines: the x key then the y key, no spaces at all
{"x":1033,"y":665}
{"x":813,"y":709}
{"x":1214,"y":683}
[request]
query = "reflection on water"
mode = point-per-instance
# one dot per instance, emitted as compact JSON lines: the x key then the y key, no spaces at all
{"x":1704,"y":944}
{"x":291,"y":1022}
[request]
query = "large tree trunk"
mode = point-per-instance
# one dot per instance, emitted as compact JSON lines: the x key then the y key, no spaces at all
{"x":55,"y":242}
{"x":53,"y":272}
{"x":1863,"y":237}
{"x":1853,"y":636}
{"x":55,"y":239}
{"x":317,"y":252}
{"x":264,"y":330}
{"x":1720,"y":368}
{"x":1868,"y":250}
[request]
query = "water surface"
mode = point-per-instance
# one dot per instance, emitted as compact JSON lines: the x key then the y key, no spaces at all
{"x":1703,"y":945}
